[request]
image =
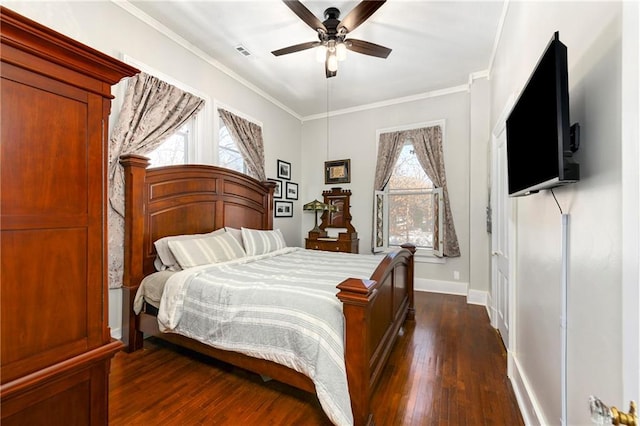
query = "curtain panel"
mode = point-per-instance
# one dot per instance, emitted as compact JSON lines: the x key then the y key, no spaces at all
{"x":389,"y":148}
{"x":152,"y":110}
{"x":248,"y":136}
{"x":427,"y":143}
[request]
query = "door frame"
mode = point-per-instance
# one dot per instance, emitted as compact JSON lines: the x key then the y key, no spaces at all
{"x":499,"y":128}
{"x":630,"y":203}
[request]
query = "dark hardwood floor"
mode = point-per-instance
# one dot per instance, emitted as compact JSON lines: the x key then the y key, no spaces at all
{"x":447,"y":368}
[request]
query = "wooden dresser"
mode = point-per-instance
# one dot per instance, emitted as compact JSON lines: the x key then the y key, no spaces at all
{"x":55,"y":341}
{"x":338,"y":218}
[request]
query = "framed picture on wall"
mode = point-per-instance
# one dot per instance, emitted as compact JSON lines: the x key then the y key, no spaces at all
{"x":337,"y":171}
{"x":277,"y":191}
{"x":291,"y":191}
{"x":283,"y":209}
{"x":284,"y":170}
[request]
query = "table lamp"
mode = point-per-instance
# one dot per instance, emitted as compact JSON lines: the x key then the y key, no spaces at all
{"x":316,"y":206}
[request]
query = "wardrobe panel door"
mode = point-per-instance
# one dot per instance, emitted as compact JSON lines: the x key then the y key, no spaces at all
{"x":51,"y":203}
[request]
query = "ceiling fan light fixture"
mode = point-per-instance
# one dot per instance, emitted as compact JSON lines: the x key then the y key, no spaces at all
{"x":332,"y":34}
{"x":321,"y":53}
{"x":332,"y":62}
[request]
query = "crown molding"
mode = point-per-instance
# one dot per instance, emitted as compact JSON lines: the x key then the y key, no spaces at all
{"x":496,"y":41}
{"x":389,"y":102}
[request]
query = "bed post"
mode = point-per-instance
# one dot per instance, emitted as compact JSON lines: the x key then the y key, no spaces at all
{"x":411,"y":313}
{"x":268,"y":204}
{"x":374,"y":311}
{"x":134,"y":175}
{"x":356,"y":296}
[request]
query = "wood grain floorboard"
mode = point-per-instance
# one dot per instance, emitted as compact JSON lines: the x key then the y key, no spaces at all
{"x":447,"y":368}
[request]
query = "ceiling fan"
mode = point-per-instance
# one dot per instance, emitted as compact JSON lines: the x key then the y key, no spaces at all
{"x":332,"y":33}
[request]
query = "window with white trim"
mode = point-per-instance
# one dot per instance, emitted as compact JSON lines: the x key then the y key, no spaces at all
{"x":409,"y":208}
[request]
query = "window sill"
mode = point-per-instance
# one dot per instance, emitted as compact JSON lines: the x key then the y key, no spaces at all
{"x":423,"y":256}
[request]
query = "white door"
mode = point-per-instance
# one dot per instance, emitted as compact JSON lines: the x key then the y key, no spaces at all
{"x":500,"y":207}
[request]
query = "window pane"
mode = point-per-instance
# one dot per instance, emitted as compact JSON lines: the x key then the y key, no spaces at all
{"x":228,"y":154}
{"x":173,"y":150}
{"x":411,"y":208}
{"x":408,"y":173}
{"x":411,"y":219}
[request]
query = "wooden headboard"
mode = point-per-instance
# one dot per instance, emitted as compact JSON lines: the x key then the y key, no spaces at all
{"x":187,"y":199}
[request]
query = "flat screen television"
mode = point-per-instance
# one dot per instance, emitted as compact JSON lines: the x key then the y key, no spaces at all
{"x":540,"y":138}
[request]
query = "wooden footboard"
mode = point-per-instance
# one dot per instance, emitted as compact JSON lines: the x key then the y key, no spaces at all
{"x":374,"y":311}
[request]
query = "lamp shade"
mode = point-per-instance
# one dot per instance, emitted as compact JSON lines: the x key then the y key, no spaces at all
{"x":315,"y":205}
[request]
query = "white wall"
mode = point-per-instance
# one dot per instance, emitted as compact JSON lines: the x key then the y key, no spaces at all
{"x":592,"y":33}
{"x":352,"y":136}
{"x":110,"y":29}
{"x":479,"y":176}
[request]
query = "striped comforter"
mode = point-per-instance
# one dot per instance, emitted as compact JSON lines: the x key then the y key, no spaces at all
{"x":279,"y":307}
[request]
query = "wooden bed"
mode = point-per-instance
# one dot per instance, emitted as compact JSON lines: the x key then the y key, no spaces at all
{"x":196,"y":199}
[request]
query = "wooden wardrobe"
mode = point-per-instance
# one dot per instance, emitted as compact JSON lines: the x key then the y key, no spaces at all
{"x":55,"y":342}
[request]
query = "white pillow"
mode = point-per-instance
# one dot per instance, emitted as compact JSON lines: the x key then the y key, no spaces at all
{"x":237,"y":233}
{"x":260,"y":242}
{"x":167,"y":261}
{"x":201,"y":251}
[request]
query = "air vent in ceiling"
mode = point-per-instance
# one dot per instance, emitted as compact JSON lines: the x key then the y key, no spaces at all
{"x":243,"y":50}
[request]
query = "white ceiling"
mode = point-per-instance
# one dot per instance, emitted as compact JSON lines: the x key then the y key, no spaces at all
{"x":436,"y":45}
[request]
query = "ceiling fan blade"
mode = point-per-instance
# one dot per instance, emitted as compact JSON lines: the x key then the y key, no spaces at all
{"x":367,"y":48}
{"x":359,"y":14}
{"x":295,"y":48}
{"x":305,"y":14}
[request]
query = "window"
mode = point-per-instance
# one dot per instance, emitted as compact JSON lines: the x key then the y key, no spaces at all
{"x":175,"y":149}
{"x":229,"y":155}
{"x":409,"y":207}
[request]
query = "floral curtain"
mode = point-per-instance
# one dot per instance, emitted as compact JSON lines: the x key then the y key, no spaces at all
{"x":152,"y":110}
{"x":427,"y":143}
{"x":389,"y":148}
{"x":248,"y":137}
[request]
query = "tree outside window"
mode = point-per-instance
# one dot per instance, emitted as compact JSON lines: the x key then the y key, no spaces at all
{"x":175,"y":149}
{"x":407,"y":209}
{"x":410,"y":200}
{"x":229,"y":155}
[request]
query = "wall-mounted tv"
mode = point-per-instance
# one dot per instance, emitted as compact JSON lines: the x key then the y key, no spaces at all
{"x":540,"y":138}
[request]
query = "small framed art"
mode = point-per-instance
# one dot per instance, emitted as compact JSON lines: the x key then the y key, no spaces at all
{"x":337,"y":171}
{"x":283,"y":209}
{"x":284,"y":170}
{"x":277,"y":191}
{"x":291,"y":192}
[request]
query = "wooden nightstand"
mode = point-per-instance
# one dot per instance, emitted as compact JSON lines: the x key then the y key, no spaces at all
{"x":332,"y":244}
{"x":340,"y":218}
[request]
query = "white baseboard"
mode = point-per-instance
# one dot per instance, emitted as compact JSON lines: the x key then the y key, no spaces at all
{"x":437,"y":286}
{"x":474,"y":297}
{"x":116,"y":333}
{"x":477,"y":297}
{"x":115,"y":312}
{"x":529,"y":407}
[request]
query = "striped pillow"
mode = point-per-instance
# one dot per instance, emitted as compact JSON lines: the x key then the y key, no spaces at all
{"x":236,"y":232}
{"x":260,"y":242}
{"x":166,"y":258}
{"x":200,"y":251}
